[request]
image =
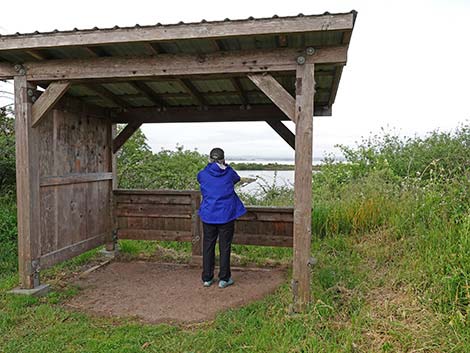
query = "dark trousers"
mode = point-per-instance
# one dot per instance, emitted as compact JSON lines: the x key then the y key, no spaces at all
{"x":225,"y":234}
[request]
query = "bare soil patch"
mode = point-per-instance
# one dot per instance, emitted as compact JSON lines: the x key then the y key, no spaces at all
{"x":156,"y":292}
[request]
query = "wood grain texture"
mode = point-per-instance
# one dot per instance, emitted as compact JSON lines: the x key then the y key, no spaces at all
{"x":305,"y":90}
{"x":75,"y":178}
{"x":252,"y":61}
{"x":27,"y":185}
{"x":47,"y":100}
{"x":75,"y":182}
{"x":173,"y":215}
{"x":70,"y":251}
{"x":192,"y":114}
{"x":275,"y":92}
{"x":219,"y":29}
{"x":196,"y":228}
{"x":125,"y":135}
{"x":7,"y":71}
{"x":283,"y":131}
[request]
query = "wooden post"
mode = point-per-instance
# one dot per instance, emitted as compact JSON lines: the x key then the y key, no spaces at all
{"x":305,"y":91}
{"x":27,"y":185}
{"x":196,"y":230}
{"x":111,"y":241}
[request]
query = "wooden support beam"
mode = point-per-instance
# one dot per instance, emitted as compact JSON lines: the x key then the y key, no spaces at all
{"x":108,"y":95}
{"x":219,"y":29}
{"x":335,"y":85}
{"x":191,"y":114}
{"x":27,"y":185}
{"x":75,"y":178}
{"x":283,"y":131}
{"x":124,"y":135}
{"x":220,"y":63}
{"x":110,"y":240}
{"x":47,"y":99}
{"x":92,"y":51}
{"x":37,"y":54}
{"x":237,"y":85}
{"x":153,"y":49}
{"x":192,"y":90}
{"x":275,"y":92}
{"x":305,"y":91}
{"x":7,"y":71}
{"x":196,"y":230}
{"x":148,"y":92}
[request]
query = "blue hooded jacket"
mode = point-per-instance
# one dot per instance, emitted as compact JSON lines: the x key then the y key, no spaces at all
{"x":220,"y":204}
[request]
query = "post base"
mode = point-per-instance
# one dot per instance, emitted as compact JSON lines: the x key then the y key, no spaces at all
{"x":110,"y":254}
{"x":38,"y":291}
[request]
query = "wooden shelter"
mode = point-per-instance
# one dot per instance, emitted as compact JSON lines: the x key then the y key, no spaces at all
{"x":72,"y":87}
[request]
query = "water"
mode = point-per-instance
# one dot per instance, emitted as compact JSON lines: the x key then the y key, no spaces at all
{"x":266,"y":177}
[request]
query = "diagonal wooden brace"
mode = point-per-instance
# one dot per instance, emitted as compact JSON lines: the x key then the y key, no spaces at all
{"x":125,"y":135}
{"x":47,"y":100}
{"x":278,"y":94}
{"x":283,"y":131}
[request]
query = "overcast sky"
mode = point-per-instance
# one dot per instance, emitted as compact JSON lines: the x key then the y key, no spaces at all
{"x":408,"y":65}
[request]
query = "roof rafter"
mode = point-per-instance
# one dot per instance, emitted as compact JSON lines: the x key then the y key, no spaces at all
{"x":105,"y":93}
{"x":148,"y":92}
{"x":193,"y":92}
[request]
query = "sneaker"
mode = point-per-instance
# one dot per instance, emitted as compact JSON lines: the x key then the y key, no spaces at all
{"x":223,"y":284}
{"x":208,"y":283}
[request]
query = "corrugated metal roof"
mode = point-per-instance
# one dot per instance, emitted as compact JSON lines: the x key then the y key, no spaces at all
{"x":171,"y":91}
{"x":181,"y":23}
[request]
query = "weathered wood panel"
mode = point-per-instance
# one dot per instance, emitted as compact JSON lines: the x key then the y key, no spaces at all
{"x":75,"y":183}
{"x":172,"y":215}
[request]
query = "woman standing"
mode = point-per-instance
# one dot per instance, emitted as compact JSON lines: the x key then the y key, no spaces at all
{"x":219,"y":208}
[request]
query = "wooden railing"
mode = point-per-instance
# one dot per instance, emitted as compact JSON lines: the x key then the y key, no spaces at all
{"x":172,"y":215}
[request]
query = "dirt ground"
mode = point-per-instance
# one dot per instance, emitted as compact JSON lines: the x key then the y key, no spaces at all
{"x":173,"y":293}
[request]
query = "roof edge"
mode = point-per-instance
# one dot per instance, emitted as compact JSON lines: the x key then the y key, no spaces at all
{"x":195,"y":30}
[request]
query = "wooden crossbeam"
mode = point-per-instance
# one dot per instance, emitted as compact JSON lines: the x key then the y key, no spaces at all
{"x":47,"y":100}
{"x":283,"y":131}
{"x":220,"y":29}
{"x":275,"y":92}
{"x":153,"y":49}
{"x":237,"y":85}
{"x":148,"y":92}
{"x":37,"y":54}
{"x":7,"y":71}
{"x":192,"y":90}
{"x":125,"y":134}
{"x":108,"y":95}
{"x":210,"y":114}
{"x":218,"y":63}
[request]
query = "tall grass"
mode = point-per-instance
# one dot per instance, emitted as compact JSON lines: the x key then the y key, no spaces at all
{"x":419,"y":189}
{"x":8,"y":235}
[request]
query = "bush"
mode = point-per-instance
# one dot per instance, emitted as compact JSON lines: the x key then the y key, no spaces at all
{"x":140,"y":168}
{"x":7,"y":150}
{"x":8,"y":235}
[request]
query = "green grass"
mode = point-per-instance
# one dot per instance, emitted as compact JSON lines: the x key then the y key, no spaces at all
{"x":335,"y":322}
{"x":392,"y":235}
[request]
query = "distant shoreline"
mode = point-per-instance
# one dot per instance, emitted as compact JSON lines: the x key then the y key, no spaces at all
{"x":266,"y":166}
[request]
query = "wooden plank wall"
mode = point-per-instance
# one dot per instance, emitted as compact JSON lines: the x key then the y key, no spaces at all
{"x":75,"y":161}
{"x":169,"y":215}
